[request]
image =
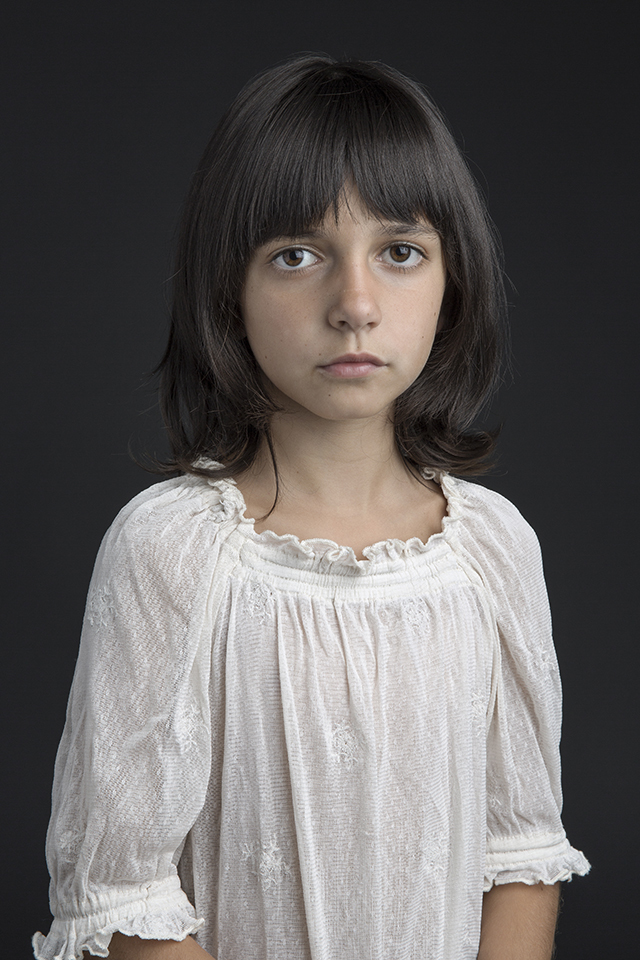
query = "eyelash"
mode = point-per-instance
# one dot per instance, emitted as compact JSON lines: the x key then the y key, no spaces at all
{"x":409,"y":246}
{"x":395,"y":266}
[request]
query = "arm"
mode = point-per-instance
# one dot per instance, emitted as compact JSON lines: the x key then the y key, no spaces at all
{"x":519,"y":922}
{"x":527,"y":849}
{"x":526,"y":842}
{"x":134,"y":762}
{"x":133,"y":948}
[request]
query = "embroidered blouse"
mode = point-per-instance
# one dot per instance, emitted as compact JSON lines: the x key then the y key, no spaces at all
{"x":292,"y":753}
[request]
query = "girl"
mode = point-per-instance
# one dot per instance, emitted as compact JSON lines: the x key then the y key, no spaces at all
{"x":316,"y":709}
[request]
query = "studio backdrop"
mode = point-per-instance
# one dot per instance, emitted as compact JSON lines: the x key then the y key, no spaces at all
{"x":108,"y":106}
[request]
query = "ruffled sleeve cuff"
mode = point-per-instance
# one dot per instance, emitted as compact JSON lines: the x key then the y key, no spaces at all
{"x":543,"y":858}
{"x":159,"y":912}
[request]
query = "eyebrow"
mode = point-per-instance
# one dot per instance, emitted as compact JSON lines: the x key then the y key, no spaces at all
{"x":408,"y":229}
{"x":387,"y":229}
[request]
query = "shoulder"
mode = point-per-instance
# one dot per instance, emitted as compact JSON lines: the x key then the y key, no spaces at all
{"x":492,"y":537}
{"x":481,"y":507}
{"x":181,"y":500}
{"x":167,"y":520}
{"x":491,"y":528}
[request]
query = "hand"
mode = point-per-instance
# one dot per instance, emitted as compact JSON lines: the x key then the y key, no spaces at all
{"x":133,"y":948}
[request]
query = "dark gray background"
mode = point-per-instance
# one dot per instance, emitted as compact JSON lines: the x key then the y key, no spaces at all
{"x":108,"y":107}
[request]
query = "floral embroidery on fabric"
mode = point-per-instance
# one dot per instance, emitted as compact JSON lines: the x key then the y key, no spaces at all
{"x":346,"y":745}
{"x":388,"y":614}
{"x":100,"y":608}
{"x":545,"y":660}
{"x":413,"y":612}
{"x":69,"y":842}
{"x":189,"y":724}
{"x":140,"y":518}
{"x":259,"y":600}
{"x":266,"y":862}
{"x":433,"y":854}
{"x":478,"y":711}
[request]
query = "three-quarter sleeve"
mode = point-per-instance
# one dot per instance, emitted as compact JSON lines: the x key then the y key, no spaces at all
{"x":525,"y":841}
{"x":133,"y":764}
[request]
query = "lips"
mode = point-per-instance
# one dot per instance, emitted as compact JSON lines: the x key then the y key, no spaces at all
{"x":353,"y":365}
{"x":357,"y":358}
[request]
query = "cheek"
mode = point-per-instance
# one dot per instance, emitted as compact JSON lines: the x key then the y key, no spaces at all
{"x":266,"y":316}
{"x":267,"y":343}
{"x":425,"y":319}
{"x":270,"y":343}
{"x":258,"y":325}
{"x":276,"y":333}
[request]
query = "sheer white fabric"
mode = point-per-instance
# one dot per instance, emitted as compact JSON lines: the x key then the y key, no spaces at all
{"x":289,"y":752}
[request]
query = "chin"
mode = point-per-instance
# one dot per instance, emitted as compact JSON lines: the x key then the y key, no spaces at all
{"x":336,"y":408}
{"x":354,"y":412}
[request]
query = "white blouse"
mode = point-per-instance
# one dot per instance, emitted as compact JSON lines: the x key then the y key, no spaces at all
{"x":291,"y":753}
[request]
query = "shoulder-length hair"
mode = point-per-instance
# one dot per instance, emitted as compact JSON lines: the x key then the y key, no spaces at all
{"x":277,"y":162}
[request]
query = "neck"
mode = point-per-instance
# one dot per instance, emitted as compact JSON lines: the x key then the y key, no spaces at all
{"x":341,"y":466}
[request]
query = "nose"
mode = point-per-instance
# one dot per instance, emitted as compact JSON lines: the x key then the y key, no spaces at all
{"x":354,"y":304}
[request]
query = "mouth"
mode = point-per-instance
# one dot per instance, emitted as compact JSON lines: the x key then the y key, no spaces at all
{"x":353,"y":365}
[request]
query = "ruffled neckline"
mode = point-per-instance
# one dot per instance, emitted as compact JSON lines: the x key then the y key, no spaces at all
{"x":229,"y":507}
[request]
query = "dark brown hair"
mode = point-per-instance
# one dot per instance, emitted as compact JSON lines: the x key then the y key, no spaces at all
{"x":275,"y":165}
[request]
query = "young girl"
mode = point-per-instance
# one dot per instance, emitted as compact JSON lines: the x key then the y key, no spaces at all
{"x":316,"y":709}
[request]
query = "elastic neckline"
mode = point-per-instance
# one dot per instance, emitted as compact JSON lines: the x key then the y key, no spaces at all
{"x":230,"y":506}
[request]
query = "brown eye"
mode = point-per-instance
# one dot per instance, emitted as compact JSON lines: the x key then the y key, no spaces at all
{"x":293,"y":257}
{"x":400,"y":252}
{"x":403,"y":255}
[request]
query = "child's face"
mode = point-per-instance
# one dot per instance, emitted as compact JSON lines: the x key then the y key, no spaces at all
{"x":313,"y":305}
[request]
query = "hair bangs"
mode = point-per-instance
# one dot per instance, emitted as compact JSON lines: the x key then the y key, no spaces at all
{"x":337,"y":128}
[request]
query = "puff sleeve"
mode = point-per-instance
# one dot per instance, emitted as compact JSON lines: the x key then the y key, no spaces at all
{"x":525,"y":841}
{"x":133,"y":764}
